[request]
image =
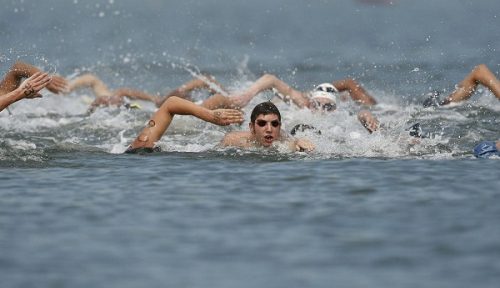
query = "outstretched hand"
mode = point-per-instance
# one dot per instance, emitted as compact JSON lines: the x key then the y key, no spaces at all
{"x":304,"y":145}
{"x":58,"y":85}
{"x":225,"y":117}
{"x":31,"y":86}
{"x":368,"y":120}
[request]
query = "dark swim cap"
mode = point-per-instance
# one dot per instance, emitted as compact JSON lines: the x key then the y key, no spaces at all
{"x":304,"y":127}
{"x":486,"y":149}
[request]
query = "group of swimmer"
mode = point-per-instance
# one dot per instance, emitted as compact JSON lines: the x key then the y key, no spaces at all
{"x":223,"y":108}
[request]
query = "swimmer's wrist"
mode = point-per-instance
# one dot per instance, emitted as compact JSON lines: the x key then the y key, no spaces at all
{"x":211,"y":116}
{"x":19,"y":93}
{"x":292,"y":144}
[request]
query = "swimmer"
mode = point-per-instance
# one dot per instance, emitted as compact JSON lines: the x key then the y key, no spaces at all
{"x":487,"y":149}
{"x":264,"y":130}
{"x":107,"y":97}
{"x":12,"y":89}
{"x":162,"y":118}
{"x":282,"y":89}
{"x":322,"y":98}
{"x":465,"y":89}
{"x":265,"y":126}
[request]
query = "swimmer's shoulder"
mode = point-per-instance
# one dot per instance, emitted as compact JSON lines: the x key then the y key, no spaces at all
{"x":237,"y":139}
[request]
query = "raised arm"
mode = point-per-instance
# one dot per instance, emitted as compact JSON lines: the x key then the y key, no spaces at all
{"x":357,"y":93}
{"x":21,"y":70}
{"x":368,"y":121}
{"x":162,"y":118}
{"x":138,"y":95}
{"x":28,"y":89}
{"x":201,"y":82}
{"x":267,"y":82}
{"x":479,"y":75}
{"x":90,"y":81}
{"x":102,"y":92}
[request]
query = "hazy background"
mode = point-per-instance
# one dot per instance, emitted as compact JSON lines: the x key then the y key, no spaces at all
{"x":375,"y":43}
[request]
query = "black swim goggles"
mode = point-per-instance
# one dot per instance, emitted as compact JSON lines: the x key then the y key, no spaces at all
{"x":326,"y":106}
{"x":329,"y":90}
{"x":262,"y":123}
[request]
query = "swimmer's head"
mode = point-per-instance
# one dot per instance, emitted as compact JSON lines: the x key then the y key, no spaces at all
{"x":264,"y":108}
{"x":265,"y":124}
{"x":303,"y":128}
{"x":486,"y":149}
{"x":323,"y":97}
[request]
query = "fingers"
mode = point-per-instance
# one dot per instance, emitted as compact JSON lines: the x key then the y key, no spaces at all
{"x":304,"y":148}
{"x":37,"y":81}
{"x":304,"y":145}
{"x":233,"y":116}
{"x":58,"y":84}
{"x":34,"y":84}
{"x":371,"y":126}
{"x":32,"y":95}
{"x":227,"y":116}
{"x":368,"y":121}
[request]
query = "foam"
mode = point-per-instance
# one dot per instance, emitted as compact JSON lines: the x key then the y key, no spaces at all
{"x":60,"y":120}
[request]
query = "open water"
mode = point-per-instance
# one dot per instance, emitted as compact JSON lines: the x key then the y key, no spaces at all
{"x":362,"y":211}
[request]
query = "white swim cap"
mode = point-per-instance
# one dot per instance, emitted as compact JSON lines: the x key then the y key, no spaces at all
{"x":325,"y":90}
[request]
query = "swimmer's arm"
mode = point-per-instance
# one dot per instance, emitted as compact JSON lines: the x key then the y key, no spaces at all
{"x":356,"y":91}
{"x":223,"y":117}
{"x":9,"y":98}
{"x":96,"y":103}
{"x":28,"y":89}
{"x":24,"y":70}
{"x":89,"y":81}
{"x":16,"y":74}
{"x":481,"y":74}
{"x":368,"y":120}
{"x":204,"y":82}
{"x":162,"y":118}
{"x":266,"y":82}
{"x":236,"y":139}
{"x":138,"y":95}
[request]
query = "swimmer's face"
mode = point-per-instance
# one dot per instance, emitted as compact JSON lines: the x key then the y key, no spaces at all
{"x":266,"y":129}
{"x":323,"y":105}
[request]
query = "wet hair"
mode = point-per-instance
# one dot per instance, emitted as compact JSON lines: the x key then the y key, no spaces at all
{"x":264,"y":108}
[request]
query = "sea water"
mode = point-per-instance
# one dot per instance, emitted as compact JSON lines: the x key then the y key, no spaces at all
{"x":364,"y":210}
